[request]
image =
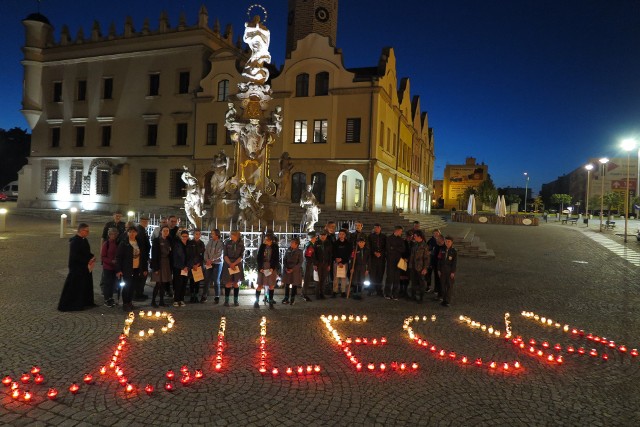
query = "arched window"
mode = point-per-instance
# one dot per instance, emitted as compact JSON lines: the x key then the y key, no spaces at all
{"x":223,"y":90}
{"x":302,"y":84}
{"x":298,"y":184}
{"x":322,"y":84}
{"x":319,"y":181}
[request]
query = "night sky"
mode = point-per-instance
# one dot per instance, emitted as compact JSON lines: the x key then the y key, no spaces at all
{"x":535,"y":86}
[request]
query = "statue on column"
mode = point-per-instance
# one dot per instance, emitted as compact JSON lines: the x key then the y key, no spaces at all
{"x":219,"y":178}
{"x":309,"y":202}
{"x":286,"y":165}
{"x":194,"y":198}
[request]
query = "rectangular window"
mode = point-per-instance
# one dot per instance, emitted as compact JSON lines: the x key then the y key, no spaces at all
{"x":223,"y":90}
{"x":148,"y":183}
{"x":55,"y":137}
{"x":212,"y":133}
{"x":152,"y":135}
{"x":106,"y":136}
{"x":181,"y":134}
{"x":154,"y":84}
{"x":107,"y":88}
{"x":102,"y":181}
{"x":228,"y":140}
{"x":319,"y":131}
{"x":82,"y":90}
{"x":183,"y":82}
{"x":302,"y":84}
{"x":300,"y":132}
{"x":51,"y":180}
{"x":176,"y":184}
{"x":353,"y":130}
{"x":79,"y":136}
{"x":57,"y":91}
{"x":75,"y":186}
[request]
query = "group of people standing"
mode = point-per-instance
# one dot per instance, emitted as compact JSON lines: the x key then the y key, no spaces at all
{"x":343,"y":264}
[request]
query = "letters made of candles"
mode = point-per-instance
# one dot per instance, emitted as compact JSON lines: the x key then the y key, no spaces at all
{"x":33,"y":385}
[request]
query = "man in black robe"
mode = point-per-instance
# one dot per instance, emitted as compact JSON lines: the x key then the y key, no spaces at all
{"x":77,"y":293}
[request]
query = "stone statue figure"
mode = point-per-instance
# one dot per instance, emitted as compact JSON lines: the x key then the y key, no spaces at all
{"x":194,"y":198}
{"x":258,"y":37}
{"x":220,"y":166}
{"x":277,"y":119}
{"x":309,"y":202}
{"x":230,"y":117}
{"x":286,"y":165}
{"x":249,"y":204}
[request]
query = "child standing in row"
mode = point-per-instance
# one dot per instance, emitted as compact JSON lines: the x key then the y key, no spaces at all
{"x":292,"y":270}
{"x":268,"y":267}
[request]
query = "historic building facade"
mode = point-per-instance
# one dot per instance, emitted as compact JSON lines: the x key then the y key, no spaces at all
{"x":457,"y":178}
{"x":115,"y":117}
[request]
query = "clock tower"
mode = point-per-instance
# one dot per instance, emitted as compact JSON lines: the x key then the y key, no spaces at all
{"x":311,"y":16}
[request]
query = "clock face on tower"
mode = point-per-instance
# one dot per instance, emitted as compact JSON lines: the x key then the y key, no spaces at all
{"x":322,"y":14}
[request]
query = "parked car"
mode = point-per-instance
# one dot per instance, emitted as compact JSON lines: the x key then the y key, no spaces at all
{"x":11,"y":190}
{"x":3,"y":197}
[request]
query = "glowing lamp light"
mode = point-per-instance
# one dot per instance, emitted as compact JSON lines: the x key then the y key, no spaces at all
{"x":309,"y":369}
{"x":289,"y":371}
{"x":123,"y":381}
{"x":25,"y":378}
{"x":593,"y":352}
{"x":316,"y":368}
{"x":371,"y":366}
{"x":517,"y":365}
{"x":581,"y":350}
{"x":452,"y":355}
{"x":27,"y":396}
{"x":442,"y":353}
{"x":433,"y":349}
{"x":103,"y":370}
{"x":141,"y":333}
{"x":359,"y":366}
{"x":557,"y":347}
{"x":218,"y":366}
{"x":570,"y":349}
{"x":119,"y":372}
{"x":185,"y":379}
{"x":88,"y":378}
{"x":545,"y":344}
{"x":38,"y":379}
{"x":168,"y":386}
{"x":129,"y":388}
{"x":148,"y":389}
{"x":74,"y":388}
{"x":605,"y":357}
{"x":170,"y":374}
{"x":622,"y":349}
{"x":505,"y":366}
{"x":550,"y":358}
{"x":184,"y":369}
{"x":403,"y":366}
{"x":478,"y":362}
{"x":493,"y":365}
{"x":15,"y":394}
{"x":464,"y":360}
{"x":6,"y":381}
{"x":634,"y":352}
{"x":35,"y":370}
{"x":52,"y":393}
{"x":383,"y":367}
{"x":14,"y":385}
{"x":262,"y":369}
{"x":275,"y":371}
{"x":199,"y":374}
{"x":414,"y":366}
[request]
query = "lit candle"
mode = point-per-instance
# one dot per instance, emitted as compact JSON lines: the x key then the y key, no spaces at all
{"x":129,"y":388}
{"x":6,"y":381}
{"x":359,"y":366}
{"x":123,"y":381}
{"x":198,"y":374}
{"x":414,"y":366}
{"x":27,"y":396}
{"x":492,"y":365}
{"x":35,"y":370}
{"x":52,"y":393}
{"x":25,"y":378}
{"x":464,"y":359}
{"x":103,"y":370}
{"x":516,"y":365}
{"x":148,"y":389}
{"x":15,"y":394}
{"x":289,"y":371}
{"x":38,"y":379}
{"x":88,"y":378}
{"x":170,"y":374}
{"x":73,"y":388}
{"x":275,"y":371}
{"x":168,"y":386}
{"x":151,"y":331}
{"x":185,"y":379}
{"x":14,"y":385}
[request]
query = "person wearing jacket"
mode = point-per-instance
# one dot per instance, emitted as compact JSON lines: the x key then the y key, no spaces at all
{"x":233,"y":254}
{"x":131,"y":264}
{"x":447,"y":264}
{"x":195,"y":260}
{"x":378,"y":247}
{"x":396,"y":249}
{"x":213,"y":266}
{"x":161,"y":264}
{"x":292,"y":270}
{"x":180,"y":268}
{"x":360,"y":267}
{"x":268,"y":266}
{"x":323,"y":262}
{"x":342,"y":251}
{"x":418,"y":265}
{"x":108,"y":257}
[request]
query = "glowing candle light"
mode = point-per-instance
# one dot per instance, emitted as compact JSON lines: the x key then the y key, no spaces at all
{"x":15,"y":385}
{"x":275,"y":371}
{"x":464,"y":360}
{"x":593,"y":352}
{"x":170,"y":374}
{"x":25,"y":378}
{"x":383,"y":367}
{"x":168,"y":386}
{"x":199,"y":374}
{"x":605,"y":357}
{"x":289,"y":371}
{"x":52,"y":393}
{"x":185,"y":379}
{"x":622,"y":349}
{"x":35,"y":370}
{"x":27,"y":396}
{"x":151,"y":331}
{"x":309,"y":369}
{"x":73,"y":388}
{"x":442,"y":353}
{"x":15,"y":394}
{"x":540,"y":353}
{"x":38,"y":379}
{"x":184,"y":369}
{"x":505,"y":366}
{"x":262,"y":369}
{"x":129,"y":388}
{"x":119,"y":372}
{"x":478,"y":362}
{"x":414,"y":366}
{"x":550,"y":358}
{"x":581,"y":350}
{"x":359,"y":366}
{"x":493,"y":365}
{"x":141,"y":313}
{"x":433,"y":349}
{"x":218,"y":366}
{"x":634,"y":352}
{"x":6,"y":381}
{"x":545,"y":344}
{"x":557,"y":347}
{"x":383,"y":340}
{"x":516,"y":365}
{"x":570,"y":349}
{"x":148,"y":389}
{"x":403,"y":366}
{"x":452,"y":355}
{"x":123,"y":381}
{"x":88,"y":378}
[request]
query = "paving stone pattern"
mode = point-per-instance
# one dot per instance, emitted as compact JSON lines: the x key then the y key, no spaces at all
{"x":551,"y":270}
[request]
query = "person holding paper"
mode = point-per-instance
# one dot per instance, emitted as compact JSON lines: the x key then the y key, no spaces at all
{"x":342,"y":251}
{"x":195,"y":260}
{"x":232,"y":272}
{"x":213,"y":266}
{"x":292,"y":270}
{"x":180,"y":269}
{"x":268,"y":266}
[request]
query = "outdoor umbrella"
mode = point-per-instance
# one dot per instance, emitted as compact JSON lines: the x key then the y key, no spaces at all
{"x":503,"y":207}
{"x":471,"y":207}
{"x":498,"y":206}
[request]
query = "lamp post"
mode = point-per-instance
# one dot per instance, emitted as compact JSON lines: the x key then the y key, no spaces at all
{"x":603,"y":161}
{"x":526,"y":185}
{"x":627,"y":145}
{"x":589,"y":168}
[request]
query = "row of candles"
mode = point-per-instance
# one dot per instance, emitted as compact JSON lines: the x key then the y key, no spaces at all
{"x":580,"y":333}
{"x":300,"y":370}
{"x":370,"y":366}
{"x":452,"y":355}
{"x":220,"y":344}
{"x":26,"y":395}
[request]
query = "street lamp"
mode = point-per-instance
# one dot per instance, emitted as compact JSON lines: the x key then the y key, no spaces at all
{"x":589,"y":168}
{"x":627,"y":145}
{"x":526,"y":185}
{"x":603,"y":161}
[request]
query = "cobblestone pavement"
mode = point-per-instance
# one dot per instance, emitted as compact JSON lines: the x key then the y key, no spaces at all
{"x":551,"y":270}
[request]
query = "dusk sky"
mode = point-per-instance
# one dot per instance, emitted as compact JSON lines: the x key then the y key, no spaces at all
{"x":535,"y":86}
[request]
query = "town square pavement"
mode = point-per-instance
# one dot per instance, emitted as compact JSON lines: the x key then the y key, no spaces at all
{"x":556,"y":271}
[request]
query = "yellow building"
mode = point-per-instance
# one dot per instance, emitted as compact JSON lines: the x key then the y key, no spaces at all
{"x":116,"y":116}
{"x":457,"y":178}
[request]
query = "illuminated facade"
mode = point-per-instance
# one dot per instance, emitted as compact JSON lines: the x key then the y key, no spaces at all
{"x":114,"y":117}
{"x":458,"y":177}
